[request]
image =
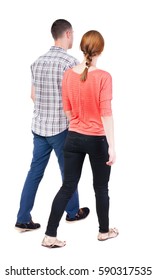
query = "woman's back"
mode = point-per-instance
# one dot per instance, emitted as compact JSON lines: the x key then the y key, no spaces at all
{"x":88,"y":100}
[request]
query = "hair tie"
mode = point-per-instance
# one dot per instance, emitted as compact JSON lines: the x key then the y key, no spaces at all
{"x":87,"y":66}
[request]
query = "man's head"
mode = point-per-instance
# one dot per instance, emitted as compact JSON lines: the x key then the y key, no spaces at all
{"x":62,"y":33}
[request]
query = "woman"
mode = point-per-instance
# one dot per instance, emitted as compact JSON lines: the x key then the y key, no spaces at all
{"x":87,"y":94}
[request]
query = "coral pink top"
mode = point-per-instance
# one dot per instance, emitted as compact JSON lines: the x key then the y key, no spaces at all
{"x":87,"y":101}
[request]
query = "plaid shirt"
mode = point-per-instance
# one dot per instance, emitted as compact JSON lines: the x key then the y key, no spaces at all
{"x":47,"y":72}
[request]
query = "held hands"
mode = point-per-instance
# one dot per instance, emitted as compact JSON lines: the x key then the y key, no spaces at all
{"x":112,"y":157}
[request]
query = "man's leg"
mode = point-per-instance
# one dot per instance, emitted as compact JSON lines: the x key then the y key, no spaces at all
{"x":41,"y":155}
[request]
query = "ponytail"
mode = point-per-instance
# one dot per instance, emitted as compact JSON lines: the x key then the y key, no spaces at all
{"x":83,"y":76}
{"x":92,"y":44}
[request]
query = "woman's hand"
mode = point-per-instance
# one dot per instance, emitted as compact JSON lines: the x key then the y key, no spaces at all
{"x":112,"y":156}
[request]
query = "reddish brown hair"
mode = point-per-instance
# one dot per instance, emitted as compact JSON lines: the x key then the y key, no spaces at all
{"x":92,"y":44}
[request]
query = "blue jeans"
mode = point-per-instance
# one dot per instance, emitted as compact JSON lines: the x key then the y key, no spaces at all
{"x":75,"y":149}
{"x":43,"y":147}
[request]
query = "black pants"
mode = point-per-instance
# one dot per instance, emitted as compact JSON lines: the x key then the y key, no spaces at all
{"x":76,"y":147}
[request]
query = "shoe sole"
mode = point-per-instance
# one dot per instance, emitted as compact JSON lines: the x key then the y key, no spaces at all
{"x":52,"y":247}
{"x":70,"y":222}
{"x":25,"y":229}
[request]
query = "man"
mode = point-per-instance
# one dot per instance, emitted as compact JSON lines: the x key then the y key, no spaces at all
{"x":49,"y":124}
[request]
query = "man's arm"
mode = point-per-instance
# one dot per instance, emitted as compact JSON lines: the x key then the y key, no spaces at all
{"x":68,"y":115}
{"x":33,"y":93}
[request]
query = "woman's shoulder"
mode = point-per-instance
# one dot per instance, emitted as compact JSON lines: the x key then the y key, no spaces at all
{"x":103,"y":72}
{"x":102,"y":75}
{"x":67,"y":72}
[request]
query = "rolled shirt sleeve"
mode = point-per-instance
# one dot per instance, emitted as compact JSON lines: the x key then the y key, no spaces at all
{"x":106,"y":96}
{"x":65,"y":99}
{"x":32,"y":75}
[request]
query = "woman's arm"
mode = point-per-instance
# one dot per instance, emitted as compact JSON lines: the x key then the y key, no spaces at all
{"x":108,"y":124}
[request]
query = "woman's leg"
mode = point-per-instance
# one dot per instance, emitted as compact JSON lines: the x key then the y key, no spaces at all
{"x":58,"y":144}
{"x":73,"y":162}
{"x":101,"y":173}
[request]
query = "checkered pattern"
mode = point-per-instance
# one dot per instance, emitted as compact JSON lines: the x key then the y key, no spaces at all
{"x":47,"y":72}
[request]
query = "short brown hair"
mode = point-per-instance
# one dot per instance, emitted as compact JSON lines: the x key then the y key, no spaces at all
{"x":59,"y":27}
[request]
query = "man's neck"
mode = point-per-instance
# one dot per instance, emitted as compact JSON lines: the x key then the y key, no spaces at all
{"x":61,"y":44}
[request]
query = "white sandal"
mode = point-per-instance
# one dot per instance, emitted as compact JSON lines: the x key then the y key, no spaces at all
{"x":112,"y":233}
{"x":52,"y":242}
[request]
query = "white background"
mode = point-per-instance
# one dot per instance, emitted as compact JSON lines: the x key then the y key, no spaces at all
{"x":130,"y":56}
